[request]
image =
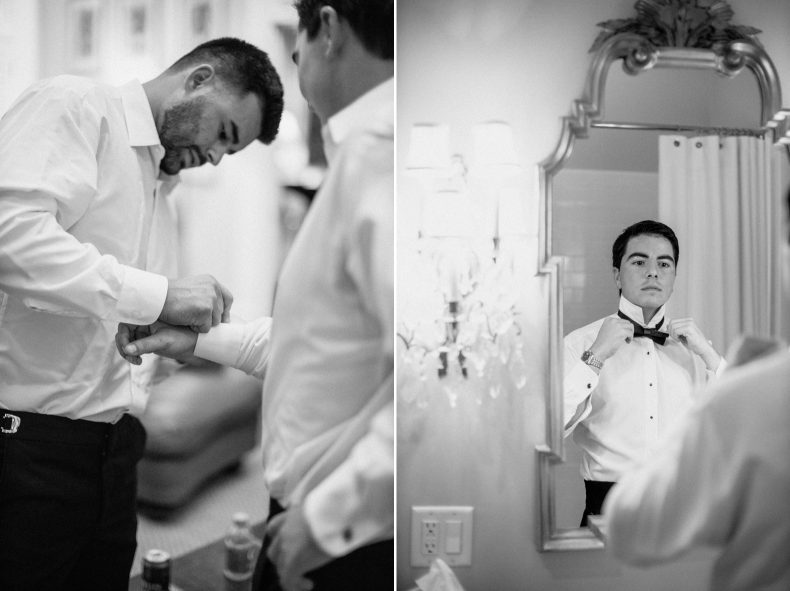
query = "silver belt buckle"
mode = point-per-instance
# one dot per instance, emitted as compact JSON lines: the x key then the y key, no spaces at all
{"x":15,"y":422}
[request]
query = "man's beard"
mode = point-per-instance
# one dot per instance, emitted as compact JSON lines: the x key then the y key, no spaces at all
{"x":180,"y":127}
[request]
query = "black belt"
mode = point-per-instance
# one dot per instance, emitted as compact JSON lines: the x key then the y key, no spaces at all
{"x":55,"y":429}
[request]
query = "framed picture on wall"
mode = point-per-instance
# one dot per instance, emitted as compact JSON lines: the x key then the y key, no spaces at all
{"x":137,"y":26}
{"x":203,"y":20}
{"x":82,"y":35}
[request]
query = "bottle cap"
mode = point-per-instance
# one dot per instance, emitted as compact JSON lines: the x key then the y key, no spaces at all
{"x":156,"y":556}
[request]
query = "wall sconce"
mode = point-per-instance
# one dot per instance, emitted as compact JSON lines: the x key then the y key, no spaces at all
{"x":459,"y":322}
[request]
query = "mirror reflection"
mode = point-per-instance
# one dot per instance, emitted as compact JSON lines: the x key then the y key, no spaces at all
{"x":647,"y":313}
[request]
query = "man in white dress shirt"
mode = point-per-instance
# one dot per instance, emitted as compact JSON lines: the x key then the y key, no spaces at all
{"x":722,"y":480}
{"x":631,"y":375}
{"x":80,"y":209}
{"x":327,"y":353}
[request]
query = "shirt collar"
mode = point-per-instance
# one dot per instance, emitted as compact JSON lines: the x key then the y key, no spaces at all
{"x":634,"y":312}
{"x":139,"y":118}
{"x":374,"y":104}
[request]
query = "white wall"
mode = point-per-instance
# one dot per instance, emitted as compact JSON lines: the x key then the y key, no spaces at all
{"x":18,"y":48}
{"x":460,"y":62}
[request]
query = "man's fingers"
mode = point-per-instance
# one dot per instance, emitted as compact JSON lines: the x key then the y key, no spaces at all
{"x":628,"y":329}
{"x":679,"y":331}
{"x":151,"y":344}
{"x":227,"y":299}
{"x":122,"y":338}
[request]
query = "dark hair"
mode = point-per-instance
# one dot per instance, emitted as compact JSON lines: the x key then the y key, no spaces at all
{"x":244,"y":68}
{"x":638,"y":229}
{"x":373,"y":21}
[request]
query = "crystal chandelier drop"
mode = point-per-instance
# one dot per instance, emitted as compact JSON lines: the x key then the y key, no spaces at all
{"x":459,"y":325}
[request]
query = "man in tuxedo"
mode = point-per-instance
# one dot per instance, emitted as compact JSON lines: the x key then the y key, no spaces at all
{"x":628,"y":377}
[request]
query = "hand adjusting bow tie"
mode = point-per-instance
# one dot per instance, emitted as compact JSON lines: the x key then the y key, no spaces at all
{"x":651,"y":333}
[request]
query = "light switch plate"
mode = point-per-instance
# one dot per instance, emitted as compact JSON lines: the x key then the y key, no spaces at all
{"x":430,"y":526}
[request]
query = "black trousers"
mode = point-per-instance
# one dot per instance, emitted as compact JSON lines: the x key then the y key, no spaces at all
{"x":595,"y":493}
{"x":67,"y":502}
{"x":369,"y":568}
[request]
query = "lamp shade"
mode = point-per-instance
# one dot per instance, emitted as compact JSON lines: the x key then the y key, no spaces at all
{"x":429,"y":148}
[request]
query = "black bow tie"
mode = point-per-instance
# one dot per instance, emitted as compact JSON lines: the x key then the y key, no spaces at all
{"x":658,"y":337}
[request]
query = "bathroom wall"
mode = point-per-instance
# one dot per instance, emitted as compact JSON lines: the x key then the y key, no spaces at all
{"x":461,"y":62}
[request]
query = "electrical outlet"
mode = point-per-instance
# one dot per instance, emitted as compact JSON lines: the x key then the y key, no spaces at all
{"x":429,"y":539}
{"x":441,"y":532}
{"x":430,"y":528}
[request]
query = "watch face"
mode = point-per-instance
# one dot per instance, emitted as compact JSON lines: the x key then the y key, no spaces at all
{"x":586,"y":355}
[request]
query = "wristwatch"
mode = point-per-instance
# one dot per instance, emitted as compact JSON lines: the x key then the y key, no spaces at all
{"x":591,"y":359}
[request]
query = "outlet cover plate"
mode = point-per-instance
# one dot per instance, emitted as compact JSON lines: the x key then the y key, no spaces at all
{"x":441,"y":515}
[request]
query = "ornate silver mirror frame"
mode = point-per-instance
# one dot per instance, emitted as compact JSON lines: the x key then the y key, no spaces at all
{"x":638,"y":55}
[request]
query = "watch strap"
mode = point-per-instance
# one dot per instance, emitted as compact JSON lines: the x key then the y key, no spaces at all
{"x":591,"y":359}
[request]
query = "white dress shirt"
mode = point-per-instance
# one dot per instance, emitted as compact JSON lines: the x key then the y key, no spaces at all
{"x":328,"y":413}
{"x":78,"y":174}
{"x":722,"y":480}
{"x":620,"y":414}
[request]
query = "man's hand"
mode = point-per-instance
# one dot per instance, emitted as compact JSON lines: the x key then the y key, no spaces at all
{"x":198,"y":302}
{"x":133,"y":341}
{"x":614,"y":333}
{"x":687,"y":332}
{"x":293,"y":551}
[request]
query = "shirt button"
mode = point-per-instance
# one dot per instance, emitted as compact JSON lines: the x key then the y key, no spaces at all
{"x":589,"y":385}
{"x":651,"y":384}
{"x":347,"y":534}
{"x":648,"y":352}
{"x":651,"y":416}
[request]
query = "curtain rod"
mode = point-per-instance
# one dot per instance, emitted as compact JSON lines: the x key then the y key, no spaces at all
{"x":666,"y":127}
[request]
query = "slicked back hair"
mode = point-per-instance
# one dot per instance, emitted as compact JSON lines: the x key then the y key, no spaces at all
{"x":373,"y":21}
{"x":638,"y":229}
{"x":244,"y":68}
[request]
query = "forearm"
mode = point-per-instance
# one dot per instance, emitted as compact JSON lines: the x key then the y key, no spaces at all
{"x":579,"y":382}
{"x":713,"y":361}
{"x":50,"y":270}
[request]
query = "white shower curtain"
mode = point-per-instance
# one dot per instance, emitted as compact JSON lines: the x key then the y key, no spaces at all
{"x":723,"y":198}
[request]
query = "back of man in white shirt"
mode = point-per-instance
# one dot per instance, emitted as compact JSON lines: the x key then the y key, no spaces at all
{"x":722,"y":480}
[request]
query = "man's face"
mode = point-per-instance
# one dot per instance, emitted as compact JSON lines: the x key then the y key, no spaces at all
{"x":205,"y":125}
{"x":647,"y":272}
{"x":310,"y":59}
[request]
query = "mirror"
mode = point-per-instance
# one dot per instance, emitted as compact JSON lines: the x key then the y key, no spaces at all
{"x":604,"y":172}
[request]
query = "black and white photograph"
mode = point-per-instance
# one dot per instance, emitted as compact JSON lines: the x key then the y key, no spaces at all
{"x":421,"y":295}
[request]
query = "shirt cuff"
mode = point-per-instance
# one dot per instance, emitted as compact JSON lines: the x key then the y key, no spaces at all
{"x":221,"y":343}
{"x":142,"y":296}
